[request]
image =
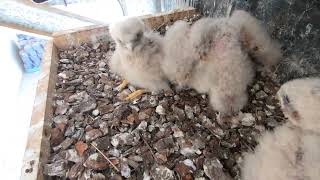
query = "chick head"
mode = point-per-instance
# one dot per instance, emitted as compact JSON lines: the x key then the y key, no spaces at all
{"x":300,"y":102}
{"x":129,"y":33}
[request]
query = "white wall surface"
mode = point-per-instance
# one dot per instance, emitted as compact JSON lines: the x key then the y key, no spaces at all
{"x":17,"y":94}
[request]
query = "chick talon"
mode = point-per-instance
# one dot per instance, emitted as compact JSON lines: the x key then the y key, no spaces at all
{"x":135,"y":94}
{"x":122,"y":85}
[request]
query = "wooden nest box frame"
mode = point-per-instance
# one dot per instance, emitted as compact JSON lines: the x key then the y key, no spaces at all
{"x":38,"y":147}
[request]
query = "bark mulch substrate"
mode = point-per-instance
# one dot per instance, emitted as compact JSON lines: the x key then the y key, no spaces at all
{"x":170,"y":135}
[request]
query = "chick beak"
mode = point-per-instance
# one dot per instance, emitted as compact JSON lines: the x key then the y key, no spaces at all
{"x":130,"y":46}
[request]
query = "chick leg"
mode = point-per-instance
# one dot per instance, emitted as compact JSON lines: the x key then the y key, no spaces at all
{"x":122,"y":85}
{"x":135,"y":94}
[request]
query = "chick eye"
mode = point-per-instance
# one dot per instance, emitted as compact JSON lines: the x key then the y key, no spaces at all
{"x":139,"y":35}
{"x":119,"y":41}
{"x":285,"y":99}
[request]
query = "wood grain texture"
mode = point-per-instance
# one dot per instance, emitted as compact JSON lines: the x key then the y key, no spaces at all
{"x":75,"y":37}
{"x":37,"y":148}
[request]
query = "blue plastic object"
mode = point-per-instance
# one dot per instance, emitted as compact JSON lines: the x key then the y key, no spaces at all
{"x":31,"y":50}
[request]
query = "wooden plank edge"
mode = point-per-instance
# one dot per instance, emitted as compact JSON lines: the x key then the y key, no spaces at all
{"x":74,"y":37}
{"x":37,"y":148}
{"x":144,"y":17}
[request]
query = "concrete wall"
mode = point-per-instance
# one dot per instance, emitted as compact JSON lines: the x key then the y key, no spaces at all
{"x":34,"y":18}
{"x":11,"y":68}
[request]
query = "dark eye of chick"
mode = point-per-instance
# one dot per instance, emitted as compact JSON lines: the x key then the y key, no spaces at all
{"x":120,"y":42}
{"x":285,"y":99}
{"x":138,"y":36}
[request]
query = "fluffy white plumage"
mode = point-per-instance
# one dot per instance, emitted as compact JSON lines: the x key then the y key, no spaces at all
{"x":179,"y":60}
{"x":300,"y":99}
{"x":256,"y":40}
{"x":208,"y":57}
{"x":292,"y":151}
{"x":138,"y":54}
{"x":212,"y":56}
{"x":224,"y":69}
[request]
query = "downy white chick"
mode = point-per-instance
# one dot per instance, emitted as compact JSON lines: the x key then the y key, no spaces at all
{"x":179,"y":60}
{"x":212,"y":57}
{"x":138,"y":54}
{"x":255,"y":39}
{"x":292,"y":151}
{"x":223,"y":69}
